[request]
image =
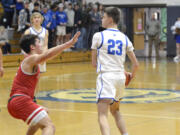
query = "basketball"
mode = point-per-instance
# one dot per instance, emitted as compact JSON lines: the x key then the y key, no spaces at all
{"x":128,"y":78}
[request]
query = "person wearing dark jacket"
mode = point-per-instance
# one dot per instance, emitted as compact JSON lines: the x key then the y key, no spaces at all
{"x":8,"y":6}
{"x":153,"y":32}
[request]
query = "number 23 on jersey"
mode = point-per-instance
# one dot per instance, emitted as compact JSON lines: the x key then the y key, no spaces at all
{"x":112,"y":49}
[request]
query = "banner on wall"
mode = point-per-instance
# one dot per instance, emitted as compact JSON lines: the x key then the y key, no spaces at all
{"x":163,"y":36}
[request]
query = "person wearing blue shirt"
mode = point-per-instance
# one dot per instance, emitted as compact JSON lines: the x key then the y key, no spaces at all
{"x":47,"y":17}
{"x":52,"y":27}
{"x":61,"y":20}
{"x":19,"y":6}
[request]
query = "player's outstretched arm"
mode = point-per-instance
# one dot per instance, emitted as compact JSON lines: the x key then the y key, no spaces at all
{"x":134,"y":61}
{"x":50,"y":53}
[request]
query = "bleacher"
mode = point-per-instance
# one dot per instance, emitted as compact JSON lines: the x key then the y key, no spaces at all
{"x":15,"y":57}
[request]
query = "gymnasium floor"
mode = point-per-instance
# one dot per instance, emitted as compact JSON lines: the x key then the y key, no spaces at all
{"x":150,"y":107}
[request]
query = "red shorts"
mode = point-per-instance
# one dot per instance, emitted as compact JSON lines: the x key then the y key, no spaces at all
{"x":23,"y":107}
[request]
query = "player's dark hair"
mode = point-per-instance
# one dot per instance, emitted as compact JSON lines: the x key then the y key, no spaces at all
{"x":36,"y":4}
{"x":114,"y":13}
{"x":26,"y":41}
{"x":53,"y":6}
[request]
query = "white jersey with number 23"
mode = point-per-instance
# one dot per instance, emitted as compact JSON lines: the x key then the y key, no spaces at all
{"x":111,"y":45}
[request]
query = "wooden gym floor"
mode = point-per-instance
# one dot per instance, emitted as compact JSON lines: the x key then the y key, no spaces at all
{"x":151,"y":105}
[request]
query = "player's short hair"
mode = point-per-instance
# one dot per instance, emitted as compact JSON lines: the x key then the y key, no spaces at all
{"x":36,"y":14}
{"x":26,"y":41}
{"x":114,"y":13}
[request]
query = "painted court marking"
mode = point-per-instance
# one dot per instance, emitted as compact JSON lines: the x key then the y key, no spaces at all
{"x":124,"y":114}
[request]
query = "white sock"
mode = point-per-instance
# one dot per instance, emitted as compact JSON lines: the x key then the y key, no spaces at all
{"x":125,"y":134}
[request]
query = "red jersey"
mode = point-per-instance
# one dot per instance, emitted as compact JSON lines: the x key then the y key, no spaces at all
{"x":25,"y":83}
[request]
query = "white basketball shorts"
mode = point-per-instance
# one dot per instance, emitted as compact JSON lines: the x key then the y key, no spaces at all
{"x":110,"y":85}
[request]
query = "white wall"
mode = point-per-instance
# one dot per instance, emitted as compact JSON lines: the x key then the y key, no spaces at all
{"x":173,"y":2}
{"x":136,"y":2}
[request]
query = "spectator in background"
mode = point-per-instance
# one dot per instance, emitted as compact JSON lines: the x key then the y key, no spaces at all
{"x":61,"y":18}
{"x":6,"y":47}
{"x":90,"y":6}
{"x":19,"y":6}
{"x":70,"y":23}
{"x":54,"y":1}
{"x":36,"y":7}
{"x":96,"y":18}
{"x":86,"y":26}
{"x":177,"y":38}
{"x":84,"y":6}
{"x":66,"y":3}
{"x":8,"y":6}
{"x":96,"y":21}
{"x":101,"y":12}
{"x":153,"y":32}
{"x":24,"y":18}
{"x":78,"y":26}
{"x":77,"y":17}
{"x":47,"y":17}
{"x":52,"y":28}
{"x":31,"y":5}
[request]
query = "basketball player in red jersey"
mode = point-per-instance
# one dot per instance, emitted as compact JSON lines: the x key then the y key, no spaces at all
{"x":20,"y":104}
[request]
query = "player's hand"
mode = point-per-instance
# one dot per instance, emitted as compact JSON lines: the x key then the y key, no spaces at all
{"x":128,"y":78}
{"x":129,"y":74}
{"x":74,"y":39}
{"x":1,"y":71}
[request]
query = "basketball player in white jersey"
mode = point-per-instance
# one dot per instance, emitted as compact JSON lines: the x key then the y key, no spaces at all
{"x":109,"y":49}
{"x":37,"y":29}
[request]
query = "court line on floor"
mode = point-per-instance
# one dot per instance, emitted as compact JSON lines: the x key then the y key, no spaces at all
{"x":92,"y":81}
{"x":124,"y":114}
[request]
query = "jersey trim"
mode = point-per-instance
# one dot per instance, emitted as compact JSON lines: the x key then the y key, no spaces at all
{"x":113,"y":30}
{"x":97,"y":61}
{"x":26,"y":73}
{"x":101,"y":83}
{"x":113,"y":99}
{"x":40,"y":115}
{"x":30,"y":29}
{"x":102,"y":37}
{"x":38,"y":33}
{"x":28,"y":120}
{"x":126,"y":42}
